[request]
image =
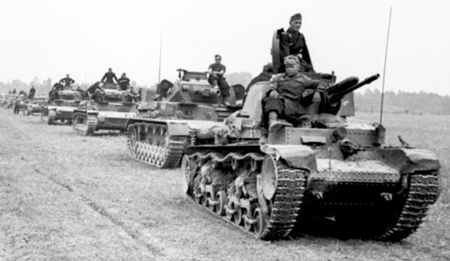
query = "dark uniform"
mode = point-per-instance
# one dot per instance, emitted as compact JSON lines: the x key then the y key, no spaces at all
{"x":31,"y":93}
{"x":124,"y":83}
{"x":96,"y":92}
{"x":289,"y":103}
{"x":264,"y":76}
{"x":67,"y":81}
{"x":109,"y":77}
{"x":219,"y":79}
{"x":293,"y":43}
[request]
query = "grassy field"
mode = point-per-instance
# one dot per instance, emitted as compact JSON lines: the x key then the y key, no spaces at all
{"x":68,"y":197}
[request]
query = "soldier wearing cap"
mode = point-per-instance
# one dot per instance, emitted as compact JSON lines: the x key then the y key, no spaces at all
{"x":284,"y":97}
{"x":292,"y":42}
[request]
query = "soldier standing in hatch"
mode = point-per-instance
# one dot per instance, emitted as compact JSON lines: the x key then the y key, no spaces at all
{"x":109,"y":77}
{"x":67,"y":81}
{"x":292,"y":42}
{"x":31,"y":92}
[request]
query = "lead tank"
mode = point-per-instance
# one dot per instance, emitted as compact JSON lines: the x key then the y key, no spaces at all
{"x":326,"y":174}
{"x":163,"y":128}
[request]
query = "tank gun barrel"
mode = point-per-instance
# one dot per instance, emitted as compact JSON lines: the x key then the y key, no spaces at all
{"x":345,"y":87}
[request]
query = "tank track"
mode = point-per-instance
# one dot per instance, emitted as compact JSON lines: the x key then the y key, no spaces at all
{"x":51,"y":117}
{"x":163,"y":152}
{"x":283,"y":209}
{"x":423,"y":191}
{"x":84,"y":124}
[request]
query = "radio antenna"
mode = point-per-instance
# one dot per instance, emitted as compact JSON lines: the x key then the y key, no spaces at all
{"x":384,"y":69}
{"x":160,"y":55}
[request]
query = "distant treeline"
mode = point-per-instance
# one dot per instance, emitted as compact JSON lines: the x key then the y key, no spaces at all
{"x":403,"y":102}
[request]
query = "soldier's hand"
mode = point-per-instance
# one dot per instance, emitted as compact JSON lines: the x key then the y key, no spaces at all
{"x":274,"y":94}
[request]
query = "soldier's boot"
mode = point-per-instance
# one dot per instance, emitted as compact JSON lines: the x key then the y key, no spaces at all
{"x":275,"y":124}
{"x":263,"y":137}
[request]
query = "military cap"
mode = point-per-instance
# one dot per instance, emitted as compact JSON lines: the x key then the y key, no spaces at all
{"x":295,"y":17}
{"x":291,"y":59}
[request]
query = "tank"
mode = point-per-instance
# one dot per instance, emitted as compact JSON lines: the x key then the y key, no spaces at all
{"x":111,"y":113}
{"x":325,"y":175}
{"x":162,"y":130}
{"x":36,"y":105}
{"x":61,"y":106}
{"x":8,"y":99}
{"x":20,"y":104}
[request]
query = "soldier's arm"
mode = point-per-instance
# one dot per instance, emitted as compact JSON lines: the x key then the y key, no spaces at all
{"x":273,"y":84}
{"x":222,"y":72}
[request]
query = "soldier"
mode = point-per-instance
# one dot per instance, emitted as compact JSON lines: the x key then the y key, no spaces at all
{"x":53,"y":94}
{"x":264,"y":76}
{"x":216,"y":72}
{"x":292,"y":42}
{"x":96,"y":91}
{"x":109,"y":77}
{"x":31,"y":92}
{"x":67,"y":81}
{"x":285,"y":97}
{"x":124,"y":82}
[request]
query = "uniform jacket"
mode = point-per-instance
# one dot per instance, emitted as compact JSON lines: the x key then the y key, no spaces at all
{"x":291,"y":87}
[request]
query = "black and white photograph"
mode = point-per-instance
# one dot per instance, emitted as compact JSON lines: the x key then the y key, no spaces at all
{"x":197,"y":130}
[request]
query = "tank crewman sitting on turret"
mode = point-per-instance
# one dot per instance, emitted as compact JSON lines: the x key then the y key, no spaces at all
{"x":96,"y":91}
{"x":67,"y":81}
{"x":53,"y":94}
{"x":109,"y":77}
{"x":285,"y":97}
{"x":216,"y":72}
{"x":124,"y":82}
{"x":292,"y":42}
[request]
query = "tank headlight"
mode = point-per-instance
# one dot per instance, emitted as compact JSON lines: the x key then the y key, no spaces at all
{"x":101,"y":117}
{"x":179,"y":114}
{"x":339,"y":133}
{"x":185,"y":88}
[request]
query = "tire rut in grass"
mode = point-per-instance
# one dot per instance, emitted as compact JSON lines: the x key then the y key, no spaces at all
{"x":132,"y":233}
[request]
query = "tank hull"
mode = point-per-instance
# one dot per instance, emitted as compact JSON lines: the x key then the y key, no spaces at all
{"x":161,"y":143}
{"x":277,"y":191}
{"x":88,"y":122}
{"x":51,"y":114}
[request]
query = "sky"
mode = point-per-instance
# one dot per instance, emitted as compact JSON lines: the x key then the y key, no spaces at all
{"x":49,"y":38}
